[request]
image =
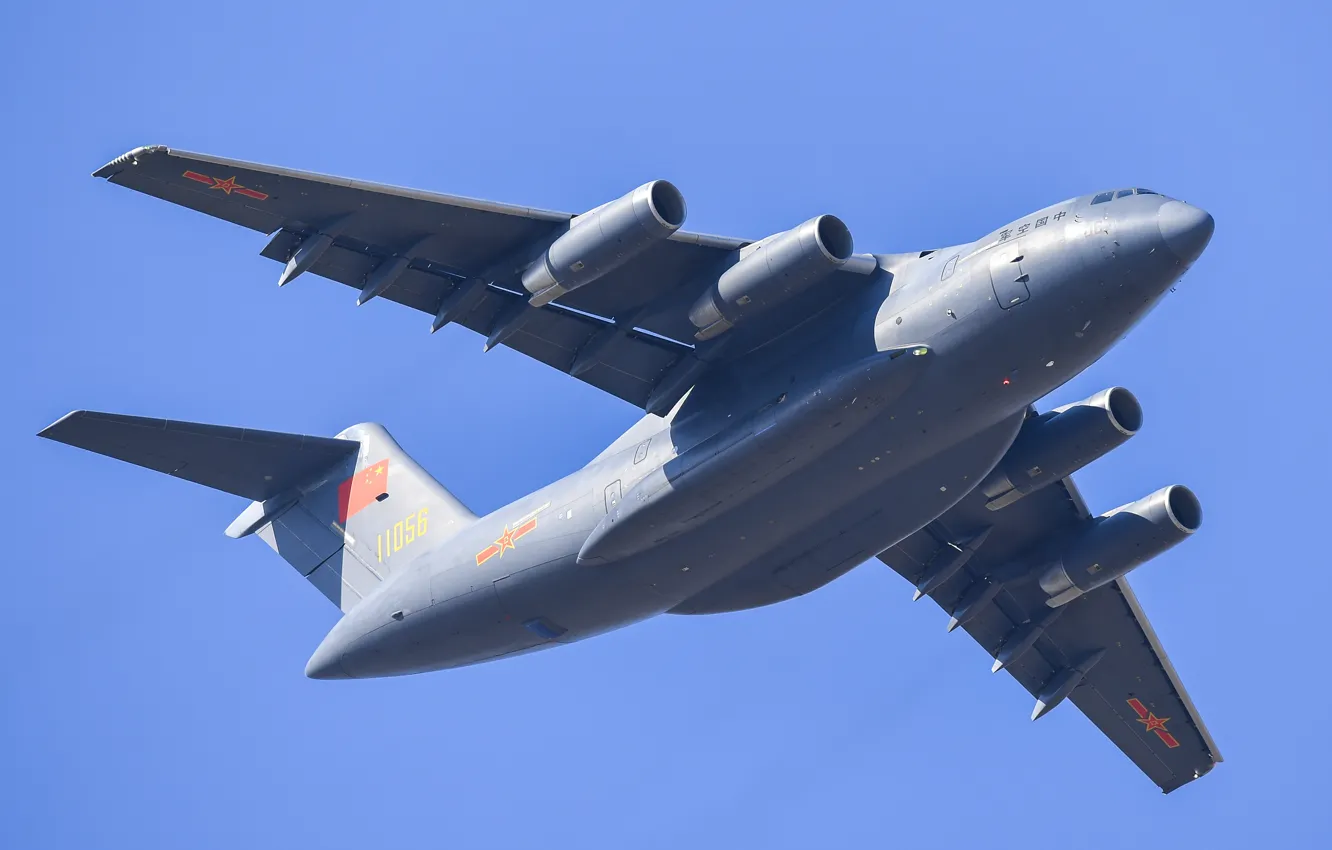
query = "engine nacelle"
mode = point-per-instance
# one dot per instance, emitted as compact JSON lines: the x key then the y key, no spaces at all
{"x":772,"y":271}
{"x":1115,"y":543}
{"x":604,"y":238}
{"x":1061,"y":442}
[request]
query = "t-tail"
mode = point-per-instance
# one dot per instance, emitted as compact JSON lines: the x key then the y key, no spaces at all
{"x":347,"y":511}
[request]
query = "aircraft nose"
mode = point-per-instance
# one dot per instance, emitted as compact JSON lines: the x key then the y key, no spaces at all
{"x":1185,"y":229}
{"x":326,"y":663}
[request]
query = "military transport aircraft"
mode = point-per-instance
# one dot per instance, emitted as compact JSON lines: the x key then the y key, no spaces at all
{"x":807,"y":408}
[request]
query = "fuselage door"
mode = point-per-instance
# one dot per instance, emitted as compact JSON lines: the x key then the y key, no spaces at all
{"x":1007,"y":276}
{"x":612,"y":496}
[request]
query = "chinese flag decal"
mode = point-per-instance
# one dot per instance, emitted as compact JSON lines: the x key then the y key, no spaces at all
{"x":362,"y":489}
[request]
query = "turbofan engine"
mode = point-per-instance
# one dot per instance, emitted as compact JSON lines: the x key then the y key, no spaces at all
{"x":1059,"y":443}
{"x":771,"y":271}
{"x":600,"y":240}
{"x":1113,"y":544}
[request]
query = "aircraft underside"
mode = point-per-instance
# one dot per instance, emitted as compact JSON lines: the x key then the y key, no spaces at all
{"x":807,"y":408}
{"x":847,"y":525}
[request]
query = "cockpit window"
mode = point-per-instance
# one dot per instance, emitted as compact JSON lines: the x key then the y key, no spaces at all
{"x":1104,"y":197}
{"x":1146,"y":192}
{"x":1123,"y":193}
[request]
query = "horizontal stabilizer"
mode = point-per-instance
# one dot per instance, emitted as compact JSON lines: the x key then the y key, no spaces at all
{"x":255,"y":464}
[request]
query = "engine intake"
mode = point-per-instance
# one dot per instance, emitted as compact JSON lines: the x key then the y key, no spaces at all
{"x":1113,"y":544}
{"x":1059,"y":443}
{"x":604,"y":238}
{"x":772,"y":271}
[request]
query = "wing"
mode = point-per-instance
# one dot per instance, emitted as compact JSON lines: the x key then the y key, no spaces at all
{"x":1132,"y":693}
{"x":627,"y":333}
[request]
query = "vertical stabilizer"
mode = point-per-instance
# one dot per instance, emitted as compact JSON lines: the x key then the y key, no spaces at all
{"x":362,"y":521}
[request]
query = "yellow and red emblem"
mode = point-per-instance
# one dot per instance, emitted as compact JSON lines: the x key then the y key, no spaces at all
{"x":1153,"y":723}
{"x":226,"y":186}
{"x":505,"y":541}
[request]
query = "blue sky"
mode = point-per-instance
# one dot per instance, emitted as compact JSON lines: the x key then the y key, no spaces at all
{"x":152,"y":691}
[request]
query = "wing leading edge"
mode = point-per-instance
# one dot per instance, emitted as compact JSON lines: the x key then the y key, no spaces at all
{"x":1130,"y":690}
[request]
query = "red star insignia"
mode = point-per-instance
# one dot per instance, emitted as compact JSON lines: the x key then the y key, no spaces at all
{"x":225,"y":185}
{"x":1152,"y":722}
{"x":505,"y":541}
{"x":228,"y":186}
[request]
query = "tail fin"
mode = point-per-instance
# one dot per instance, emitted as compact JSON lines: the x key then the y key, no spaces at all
{"x":345,"y":511}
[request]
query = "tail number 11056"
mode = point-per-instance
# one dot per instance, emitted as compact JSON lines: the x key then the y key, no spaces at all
{"x":401,"y":534}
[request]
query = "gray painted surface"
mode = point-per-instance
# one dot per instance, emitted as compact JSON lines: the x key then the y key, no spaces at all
{"x":876,"y":405}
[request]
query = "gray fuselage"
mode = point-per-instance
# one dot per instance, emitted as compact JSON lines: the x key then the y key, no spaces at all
{"x":790,"y":465}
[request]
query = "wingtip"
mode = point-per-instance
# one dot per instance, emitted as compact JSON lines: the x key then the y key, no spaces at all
{"x":998,"y":665}
{"x":49,"y":432}
{"x":118,"y":164}
{"x":917,"y":595}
